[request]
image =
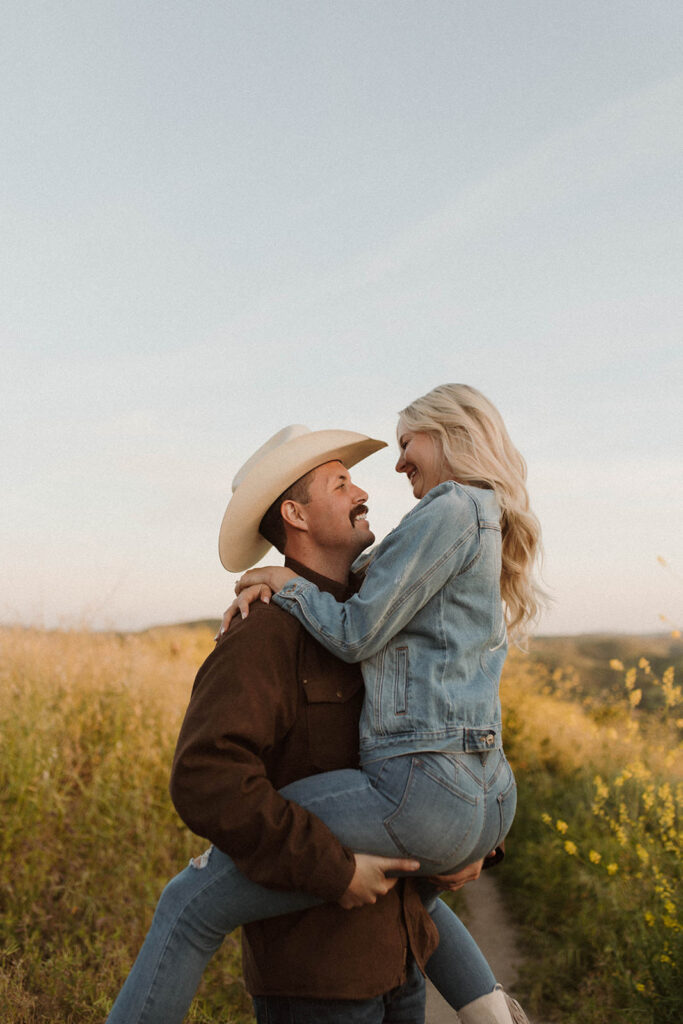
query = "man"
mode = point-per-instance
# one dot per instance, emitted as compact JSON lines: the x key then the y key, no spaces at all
{"x":271,"y":706}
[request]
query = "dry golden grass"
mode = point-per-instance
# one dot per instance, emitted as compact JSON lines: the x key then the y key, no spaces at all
{"x":88,"y":724}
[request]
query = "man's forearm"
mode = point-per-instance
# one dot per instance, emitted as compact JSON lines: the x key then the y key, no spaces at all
{"x":273,"y":841}
{"x":243,"y":705}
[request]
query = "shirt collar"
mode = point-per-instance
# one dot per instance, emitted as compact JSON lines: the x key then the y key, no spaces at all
{"x":340,"y":591}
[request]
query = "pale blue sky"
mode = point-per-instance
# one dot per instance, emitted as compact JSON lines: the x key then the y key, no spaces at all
{"x":219,"y":218}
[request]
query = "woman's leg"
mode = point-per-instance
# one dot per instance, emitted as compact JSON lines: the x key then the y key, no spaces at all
{"x":406,"y":796}
{"x":203,"y":904}
{"x":195,"y":912}
{"x":211,"y":898}
{"x":457,"y":968}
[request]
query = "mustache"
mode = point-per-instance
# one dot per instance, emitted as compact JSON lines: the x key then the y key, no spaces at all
{"x":359,"y":510}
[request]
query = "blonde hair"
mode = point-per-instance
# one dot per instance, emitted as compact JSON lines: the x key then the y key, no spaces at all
{"x":476,"y":449}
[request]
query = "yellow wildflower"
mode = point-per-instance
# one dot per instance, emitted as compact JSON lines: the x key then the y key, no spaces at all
{"x":672,"y":694}
{"x":601,"y":790}
{"x":616,"y":665}
{"x":594,"y":857}
{"x":612,"y":868}
{"x":642,"y":853}
{"x":571,"y":848}
{"x":561,"y":826}
{"x":645,"y":665}
{"x":649,"y":918}
{"x":634,"y":698}
{"x":546,"y":819}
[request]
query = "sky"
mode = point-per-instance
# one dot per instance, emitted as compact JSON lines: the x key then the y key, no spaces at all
{"x":218,"y":218}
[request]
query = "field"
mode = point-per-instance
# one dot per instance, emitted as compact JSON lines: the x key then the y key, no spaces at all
{"x":87,"y":727}
{"x":593,"y":728}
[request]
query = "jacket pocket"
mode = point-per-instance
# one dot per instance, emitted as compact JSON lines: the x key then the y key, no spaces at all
{"x":439,"y":814}
{"x":401,"y":681}
{"x":333,"y":706}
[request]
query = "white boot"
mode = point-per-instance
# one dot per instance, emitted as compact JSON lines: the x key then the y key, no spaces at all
{"x":495,"y":1008}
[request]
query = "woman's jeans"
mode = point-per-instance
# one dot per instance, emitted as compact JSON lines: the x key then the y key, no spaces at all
{"x":446,"y":810}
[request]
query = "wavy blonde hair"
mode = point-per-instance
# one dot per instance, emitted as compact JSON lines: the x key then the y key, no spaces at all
{"x":476,"y":449}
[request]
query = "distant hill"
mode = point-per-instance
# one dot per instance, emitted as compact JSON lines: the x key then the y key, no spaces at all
{"x":584,"y":651}
{"x":590,"y":655}
{"x":211,"y":624}
{"x":592,"y":649}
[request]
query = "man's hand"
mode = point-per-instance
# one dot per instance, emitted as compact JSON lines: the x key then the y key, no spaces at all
{"x":452,"y":883}
{"x":370,"y":879}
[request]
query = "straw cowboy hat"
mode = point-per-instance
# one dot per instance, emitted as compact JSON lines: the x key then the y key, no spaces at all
{"x":280,"y":462}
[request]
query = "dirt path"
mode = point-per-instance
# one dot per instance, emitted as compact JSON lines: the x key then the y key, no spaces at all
{"x":491,"y":927}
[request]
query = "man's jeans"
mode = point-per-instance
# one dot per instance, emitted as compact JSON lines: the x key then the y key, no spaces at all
{"x":414,"y":812}
{"x":402,"y":1005}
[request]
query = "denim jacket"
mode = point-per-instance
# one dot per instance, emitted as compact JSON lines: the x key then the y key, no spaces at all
{"x":427,"y":624}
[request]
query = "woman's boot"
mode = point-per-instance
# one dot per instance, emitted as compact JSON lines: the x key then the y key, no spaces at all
{"x":495,"y":1008}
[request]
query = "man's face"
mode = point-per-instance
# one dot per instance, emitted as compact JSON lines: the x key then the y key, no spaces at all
{"x":336,"y":512}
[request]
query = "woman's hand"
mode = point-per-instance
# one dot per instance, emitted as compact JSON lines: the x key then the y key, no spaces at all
{"x":274,"y":576}
{"x":240,"y":606}
{"x":452,"y":883}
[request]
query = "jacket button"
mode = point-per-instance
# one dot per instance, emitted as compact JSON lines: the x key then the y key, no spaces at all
{"x":305,"y":682}
{"x":339,"y":693}
{"x":490,"y":738}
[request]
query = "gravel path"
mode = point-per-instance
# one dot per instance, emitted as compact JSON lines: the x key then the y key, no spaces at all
{"x":493,"y":930}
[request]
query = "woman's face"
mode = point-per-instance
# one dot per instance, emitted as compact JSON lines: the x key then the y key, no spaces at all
{"x":420,"y":460}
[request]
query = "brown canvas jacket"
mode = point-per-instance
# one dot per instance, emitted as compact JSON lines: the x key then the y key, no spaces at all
{"x":270,"y":706}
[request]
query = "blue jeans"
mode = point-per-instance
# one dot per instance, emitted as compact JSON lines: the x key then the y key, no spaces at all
{"x":402,"y":1005}
{"x":400,"y":806}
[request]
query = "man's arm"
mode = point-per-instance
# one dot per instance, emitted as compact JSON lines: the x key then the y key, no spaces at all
{"x":243,"y":703}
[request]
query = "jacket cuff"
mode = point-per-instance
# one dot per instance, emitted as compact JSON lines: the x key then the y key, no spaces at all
{"x":330,"y":884}
{"x":496,"y":857}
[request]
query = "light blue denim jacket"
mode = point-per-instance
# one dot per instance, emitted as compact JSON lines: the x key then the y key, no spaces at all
{"x":427,"y":624}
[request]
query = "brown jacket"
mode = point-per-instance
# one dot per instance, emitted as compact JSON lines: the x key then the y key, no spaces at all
{"x":270,"y":706}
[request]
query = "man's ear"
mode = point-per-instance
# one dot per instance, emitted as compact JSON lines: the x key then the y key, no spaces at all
{"x":293,"y":515}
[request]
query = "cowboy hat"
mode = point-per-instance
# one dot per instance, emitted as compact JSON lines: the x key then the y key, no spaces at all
{"x":280,"y":462}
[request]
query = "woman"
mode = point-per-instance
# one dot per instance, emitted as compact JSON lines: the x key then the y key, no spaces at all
{"x":430,"y":625}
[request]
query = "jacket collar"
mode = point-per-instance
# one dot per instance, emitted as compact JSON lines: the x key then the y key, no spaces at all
{"x":340,"y":591}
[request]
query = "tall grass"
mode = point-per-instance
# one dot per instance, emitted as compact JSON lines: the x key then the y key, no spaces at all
{"x":88,"y":724}
{"x":594,"y":870}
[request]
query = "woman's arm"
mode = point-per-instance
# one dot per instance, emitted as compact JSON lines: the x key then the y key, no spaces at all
{"x":438,"y":540}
